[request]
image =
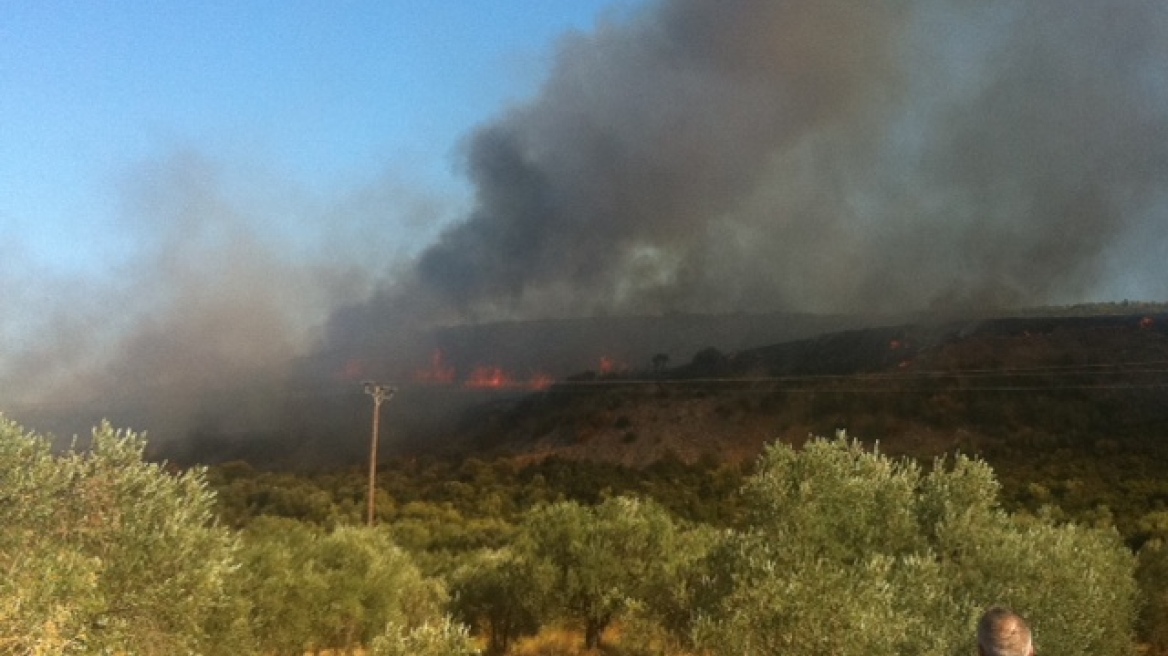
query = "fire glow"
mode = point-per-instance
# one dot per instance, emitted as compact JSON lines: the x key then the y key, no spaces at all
{"x":483,"y":377}
{"x":496,"y":378}
{"x":610,"y":366}
{"x":438,"y":373}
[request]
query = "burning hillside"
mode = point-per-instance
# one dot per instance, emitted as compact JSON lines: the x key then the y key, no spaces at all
{"x":989,"y":386}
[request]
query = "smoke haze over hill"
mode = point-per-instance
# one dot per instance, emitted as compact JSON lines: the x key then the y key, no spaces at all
{"x":690,"y":157}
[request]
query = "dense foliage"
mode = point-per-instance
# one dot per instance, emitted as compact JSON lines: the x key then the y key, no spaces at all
{"x":311,"y":589}
{"x":832,"y":548}
{"x":105,"y":553}
{"x":850,"y":552}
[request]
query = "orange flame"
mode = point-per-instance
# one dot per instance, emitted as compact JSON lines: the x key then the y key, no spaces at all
{"x":489,"y":378}
{"x":497,"y":378}
{"x":439,"y":373}
{"x":610,"y":365}
{"x":540,"y":382}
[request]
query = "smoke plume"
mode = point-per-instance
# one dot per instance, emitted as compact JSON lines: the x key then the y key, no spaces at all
{"x":691,"y":156}
{"x":821,"y":155}
{"x":204,"y":323}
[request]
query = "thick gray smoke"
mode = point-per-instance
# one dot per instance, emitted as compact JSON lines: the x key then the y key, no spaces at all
{"x":825,"y":155}
{"x":696,"y":156}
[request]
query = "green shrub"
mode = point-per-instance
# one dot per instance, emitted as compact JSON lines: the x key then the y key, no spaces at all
{"x":443,"y":637}
{"x":593,"y":563}
{"x":498,"y":593}
{"x":103,"y":552}
{"x":311,"y":589}
{"x":850,"y":552}
{"x":1153,"y":579}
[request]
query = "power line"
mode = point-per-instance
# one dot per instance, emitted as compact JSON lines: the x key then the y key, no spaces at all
{"x":792,"y":382}
{"x":778,"y":380}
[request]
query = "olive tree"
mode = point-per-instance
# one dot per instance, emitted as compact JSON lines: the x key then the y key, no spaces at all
{"x":312,"y":589}
{"x":103,"y":552}
{"x":499,"y":593}
{"x":593,"y":563}
{"x":851,"y":552}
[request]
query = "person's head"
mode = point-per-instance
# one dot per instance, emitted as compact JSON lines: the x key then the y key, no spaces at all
{"x":1002,"y":632}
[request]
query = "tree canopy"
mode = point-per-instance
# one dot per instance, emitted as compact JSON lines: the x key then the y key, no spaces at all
{"x":103,"y":551}
{"x":834,"y":548}
{"x":851,"y":552}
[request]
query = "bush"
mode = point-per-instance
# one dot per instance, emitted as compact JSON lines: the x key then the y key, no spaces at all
{"x":498,"y":593}
{"x":593,"y":563}
{"x":103,"y":552}
{"x":1153,"y":578}
{"x":850,"y":552}
{"x":444,"y":637}
{"x":312,"y":589}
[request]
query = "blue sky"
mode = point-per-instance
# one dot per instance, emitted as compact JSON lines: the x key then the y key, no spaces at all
{"x":323,"y":95}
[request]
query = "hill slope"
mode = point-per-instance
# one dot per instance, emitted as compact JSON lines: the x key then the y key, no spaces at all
{"x":920,"y":389}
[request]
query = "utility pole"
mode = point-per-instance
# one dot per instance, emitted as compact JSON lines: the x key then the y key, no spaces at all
{"x":380,"y":393}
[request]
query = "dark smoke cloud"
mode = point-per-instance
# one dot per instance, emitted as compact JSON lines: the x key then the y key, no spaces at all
{"x":696,"y":156}
{"x":822,"y":155}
